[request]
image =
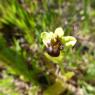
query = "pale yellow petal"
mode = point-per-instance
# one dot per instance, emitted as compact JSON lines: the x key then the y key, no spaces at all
{"x":69,"y":41}
{"x":59,"y":32}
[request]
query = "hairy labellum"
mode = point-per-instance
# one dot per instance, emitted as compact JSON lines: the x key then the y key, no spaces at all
{"x":53,"y":48}
{"x":53,"y":52}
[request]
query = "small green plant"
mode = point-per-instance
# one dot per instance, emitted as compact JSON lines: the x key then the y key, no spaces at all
{"x":55,"y":43}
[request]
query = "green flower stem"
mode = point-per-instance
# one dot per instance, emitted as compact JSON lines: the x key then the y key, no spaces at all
{"x":61,"y":65}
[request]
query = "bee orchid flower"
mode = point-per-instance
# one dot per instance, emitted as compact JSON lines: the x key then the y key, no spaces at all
{"x":54,"y":41}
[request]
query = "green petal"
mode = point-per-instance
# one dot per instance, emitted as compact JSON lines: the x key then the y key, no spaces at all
{"x":46,"y":37}
{"x":59,"y":32}
{"x":69,"y":41}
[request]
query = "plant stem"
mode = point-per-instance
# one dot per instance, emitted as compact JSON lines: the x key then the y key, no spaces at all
{"x":86,"y":21}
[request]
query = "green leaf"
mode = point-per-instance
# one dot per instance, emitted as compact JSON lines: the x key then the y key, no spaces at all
{"x":56,"y":89}
{"x":69,"y":75}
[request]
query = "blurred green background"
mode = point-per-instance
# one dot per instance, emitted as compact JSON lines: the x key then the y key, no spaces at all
{"x":25,"y":69}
